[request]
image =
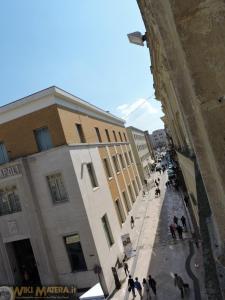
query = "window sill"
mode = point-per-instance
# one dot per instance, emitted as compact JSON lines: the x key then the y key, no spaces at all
{"x":96,"y":188}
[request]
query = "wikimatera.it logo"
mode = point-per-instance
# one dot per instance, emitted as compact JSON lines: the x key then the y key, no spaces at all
{"x":38,"y":292}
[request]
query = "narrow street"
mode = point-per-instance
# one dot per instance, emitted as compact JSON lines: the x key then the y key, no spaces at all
{"x":157,"y":253}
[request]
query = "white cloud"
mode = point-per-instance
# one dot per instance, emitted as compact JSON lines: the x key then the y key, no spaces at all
{"x":142,"y":114}
{"x":140,"y":104}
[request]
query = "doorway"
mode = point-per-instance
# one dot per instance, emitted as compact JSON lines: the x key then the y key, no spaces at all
{"x":23,"y":262}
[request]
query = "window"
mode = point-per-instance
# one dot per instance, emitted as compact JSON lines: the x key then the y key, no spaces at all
{"x":125,"y":137}
{"x":107,"y":229}
{"x":43,"y":139}
{"x":115,"y":162}
{"x":120,"y":212}
{"x":127,"y":159}
{"x":114,"y":134}
{"x":131,"y":193}
{"x":75,"y":253}
{"x":92,"y":175}
{"x":81,"y":133}
{"x":138,"y":182}
{"x":122,"y":161}
{"x":126,"y":201}
{"x":120,"y":136}
{"x":57,"y":189}
{"x":4,"y":158}
{"x":9,"y":201}
{"x":131,"y":158}
{"x":107,"y":168}
{"x":98,"y":134}
{"x":107,"y":135}
{"x":135,"y":187}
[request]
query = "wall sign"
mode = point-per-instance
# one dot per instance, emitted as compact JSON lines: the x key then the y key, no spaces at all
{"x":10,"y":171}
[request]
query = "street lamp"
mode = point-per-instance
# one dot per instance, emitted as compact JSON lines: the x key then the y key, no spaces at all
{"x":136,"y":38}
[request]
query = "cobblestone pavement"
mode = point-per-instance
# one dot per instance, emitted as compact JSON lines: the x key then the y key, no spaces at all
{"x":157,"y":253}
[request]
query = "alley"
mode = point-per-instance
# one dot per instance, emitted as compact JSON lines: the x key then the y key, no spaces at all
{"x":157,"y":253}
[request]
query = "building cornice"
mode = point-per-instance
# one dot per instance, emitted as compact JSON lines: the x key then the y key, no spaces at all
{"x":50,"y":96}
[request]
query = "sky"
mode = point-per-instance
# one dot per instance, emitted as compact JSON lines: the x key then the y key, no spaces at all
{"x":80,"y":46}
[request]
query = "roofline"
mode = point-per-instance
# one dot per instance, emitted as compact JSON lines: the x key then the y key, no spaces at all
{"x":134,"y":128}
{"x":56,"y":91}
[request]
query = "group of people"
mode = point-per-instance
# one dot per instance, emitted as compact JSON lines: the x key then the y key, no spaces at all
{"x":147,"y":285}
{"x":150,"y":285}
{"x":175,"y":226}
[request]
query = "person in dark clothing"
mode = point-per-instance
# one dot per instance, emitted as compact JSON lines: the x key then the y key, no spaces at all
{"x":175,"y":220}
{"x":183,"y":220}
{"x":131,"y":285}
{"x":158,"y":179}
{"x":138,"y":287}
{"x":186,"y":201}
{"x":152,"y":283}
{"x":180,"y":232}
{"x":125,"y":267}
{"x":172,"y":231}
{"x":132,"y":222}
{"x":178,"y":281}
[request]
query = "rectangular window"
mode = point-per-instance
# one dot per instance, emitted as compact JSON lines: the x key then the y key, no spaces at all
{"x":120,"y":212}
{"x":75,"y":253}
{"x":127,"y":159}
{"x":107,"y":168}
{"x":125,"y":137}
{"x":131,"y":193}
{"x":122,"y":161}
{"x":131,"y":157}
{"x":4,"y":158}
{"x":126,"y":201}
{"x":80,"y":133}
{"x":43,"y":139}
{"x":57,"y":188}
{"x":107,"y":229}
{"x":120,"y":136}
{"x":92,"y":175}
{"x":135,"y":187}
{"x":107,"y":135}
{"x":138,"y":183}
{"x":115,"y":162}
{"x":9,"y":200}
{"x":98,"y":135}
{"x":114,"y":134}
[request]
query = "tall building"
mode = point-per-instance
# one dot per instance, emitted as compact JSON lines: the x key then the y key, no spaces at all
{"x":149,"y":143}
{"x":68,"y":181}
{"x":158,"y":138}
{"x":141,"y":151}
{"x":186,"y":39}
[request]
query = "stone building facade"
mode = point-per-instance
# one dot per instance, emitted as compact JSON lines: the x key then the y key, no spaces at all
{"x":186,"y":39}
{"x":158,"y":138}
{"x":66,"y":188}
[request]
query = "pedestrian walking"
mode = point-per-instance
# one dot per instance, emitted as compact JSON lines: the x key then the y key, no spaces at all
{"x":178,"y":281}
{"x":132,"y":222}
{"x":172,"y":231}
{"x":125,"y":267}
{"x":180,"y":232}
{"x":146,"y":288}
{"x":175,"y":220}
{"x":138,"y":286}
{"x":183,"y":221}
{"x":131,"y":285}
{"x":186,"y":201}
{"x":152,"y":283}
{"x":158,"y":179}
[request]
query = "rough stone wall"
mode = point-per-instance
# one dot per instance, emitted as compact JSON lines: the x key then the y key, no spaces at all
{"x":186,"y":40}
